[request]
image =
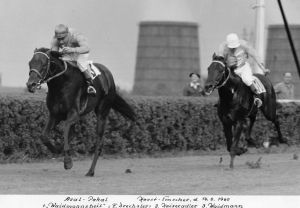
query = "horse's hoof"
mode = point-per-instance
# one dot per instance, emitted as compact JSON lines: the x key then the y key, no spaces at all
{"x":283,"y":140}
{"x":228,"y":169}
{"x":274,"y":142}
{"x":243,"y":150}
{"x":251,"y":143}
{"x":51,"y":147}
{"x":90,"y":174}
{"x":68,"y":163}
{"x":239,"y":151}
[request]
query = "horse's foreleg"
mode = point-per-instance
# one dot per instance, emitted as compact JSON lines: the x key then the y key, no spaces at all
{"x":250,"y":141}
{"x":72,"y":117}
{"x":281,"y":139}
{"x":228,"y":135}
{"x":234,"y":144}
{"x":99,"y":144}
{"x":235,"y":150}
{"x":50,"y":124}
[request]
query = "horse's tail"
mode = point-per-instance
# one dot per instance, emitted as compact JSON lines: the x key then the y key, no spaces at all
{"x":123,"y":107}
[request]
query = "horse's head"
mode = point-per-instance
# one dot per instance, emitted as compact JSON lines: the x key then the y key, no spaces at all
{"x":216,"y":74}
{"x":39,"y":67}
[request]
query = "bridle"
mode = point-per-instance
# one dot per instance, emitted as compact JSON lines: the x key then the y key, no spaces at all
{"x":43,"y":79}
{"x":218,"y":85}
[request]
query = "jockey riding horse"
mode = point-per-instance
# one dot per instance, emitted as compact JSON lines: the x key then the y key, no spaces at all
{"x":74,"y":47}
{"x":236,"y":53}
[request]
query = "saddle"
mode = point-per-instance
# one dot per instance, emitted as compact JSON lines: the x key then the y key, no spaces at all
{"x":95,"y":72}
{"x":244,"y":100}
{"x":260,"y":88}
{"x":93,"y":69}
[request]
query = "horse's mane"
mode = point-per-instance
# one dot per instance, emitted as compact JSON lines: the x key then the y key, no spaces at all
{"x":234,"y":75}
{"x":219,"y":58}
{"x":53,"y":54}
{"x":44,"y":50}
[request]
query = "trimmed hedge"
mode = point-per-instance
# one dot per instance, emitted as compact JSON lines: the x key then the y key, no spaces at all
{"x":163,"y":124}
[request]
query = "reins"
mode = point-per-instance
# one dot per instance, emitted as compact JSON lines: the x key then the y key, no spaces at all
{"x":226,"y":79}
{"x":43,"y":79}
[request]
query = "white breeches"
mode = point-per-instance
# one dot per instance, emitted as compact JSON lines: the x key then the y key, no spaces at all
{"x":245,"y":72}
{"x":81,"y":59}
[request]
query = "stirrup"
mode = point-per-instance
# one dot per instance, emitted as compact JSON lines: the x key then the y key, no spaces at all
{"x":257,"y":102}
{"x":91,"y":90}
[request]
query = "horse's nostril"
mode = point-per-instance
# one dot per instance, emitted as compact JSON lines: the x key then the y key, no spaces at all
{"x":31,"y":86}
{"x":208,"y":87}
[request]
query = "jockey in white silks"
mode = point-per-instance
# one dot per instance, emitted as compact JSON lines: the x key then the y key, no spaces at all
{"x":74,"y":47}
{"x":236,"y":53}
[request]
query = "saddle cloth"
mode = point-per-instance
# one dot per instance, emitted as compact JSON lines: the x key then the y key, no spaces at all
{"x":258,"y":85}
{"x":94,"y":70}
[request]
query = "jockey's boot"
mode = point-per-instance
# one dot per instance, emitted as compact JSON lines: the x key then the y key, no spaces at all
{"x":90,"y":89}
{"x":257,"y":100}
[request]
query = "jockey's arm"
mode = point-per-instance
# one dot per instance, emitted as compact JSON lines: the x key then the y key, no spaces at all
{"x":83,"y":45}
{"x":252,"y":53}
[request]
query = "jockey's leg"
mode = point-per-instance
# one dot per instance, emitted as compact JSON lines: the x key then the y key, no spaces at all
{"x":82,"y":62}
{"x":247,"y":77}
{"x":91,"y":89}
{"x":257,"y":100}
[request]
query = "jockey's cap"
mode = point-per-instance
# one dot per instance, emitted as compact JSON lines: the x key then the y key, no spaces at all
{"x":61,"y":31}
{"x":232,"y":40}
{"x":287,"y":74}
{"x":193,"y":73}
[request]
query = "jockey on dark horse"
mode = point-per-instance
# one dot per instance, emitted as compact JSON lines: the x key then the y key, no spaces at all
{"x":236,"y":52}
{"x":74,"y":47}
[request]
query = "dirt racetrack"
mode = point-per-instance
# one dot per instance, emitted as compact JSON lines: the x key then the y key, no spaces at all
{"x":279,"y":175}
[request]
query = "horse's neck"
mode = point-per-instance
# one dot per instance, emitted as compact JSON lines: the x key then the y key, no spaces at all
{"x":235,"y":92}
{"x":226,"y":92}
{"x":71,"y":75}
{"x":233,"y":82}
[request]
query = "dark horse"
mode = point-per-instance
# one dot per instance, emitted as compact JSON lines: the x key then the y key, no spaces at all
{"x":67,"y":99}
{"x":236,"y":109}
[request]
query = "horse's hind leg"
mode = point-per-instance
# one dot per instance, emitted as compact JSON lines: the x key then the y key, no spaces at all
{"x":101,"y":120}
{"x":281,"y":139}
{"x":270,"y":114}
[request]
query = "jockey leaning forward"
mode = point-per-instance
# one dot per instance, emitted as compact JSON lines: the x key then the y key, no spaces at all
{"x":74,"y":47}
{"x":236,"y":53}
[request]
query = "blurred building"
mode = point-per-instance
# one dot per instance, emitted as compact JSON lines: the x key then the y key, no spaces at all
{"x":167,"y":52}
{"x":279,"y":57}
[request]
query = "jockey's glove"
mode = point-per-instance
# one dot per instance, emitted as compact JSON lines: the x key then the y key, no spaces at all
{"x":231,"y":61}
{"x":267,"y":71}
{"x":67,"y":50}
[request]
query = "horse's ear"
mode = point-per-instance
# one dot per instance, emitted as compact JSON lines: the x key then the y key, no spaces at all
{"x":35,"y":50}
{"x":55,"y":54}
{"x":214,"y":56}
